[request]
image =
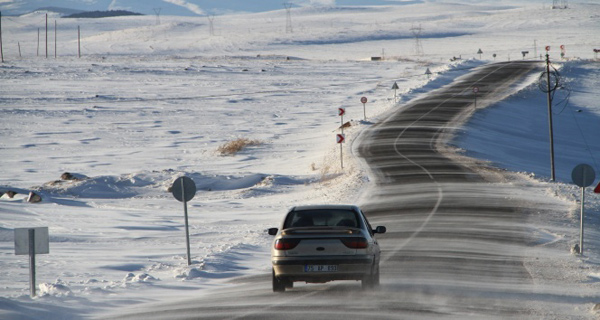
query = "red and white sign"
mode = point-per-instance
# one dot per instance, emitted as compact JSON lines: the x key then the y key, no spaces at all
{"x":597,"y":189}
{"x":562,"y":47}
{"x":341,"y":111}
{"x":547,"y":48}
{"x":475,"y":89}
{"x":340,"y":138}
{"x":363,"y":99}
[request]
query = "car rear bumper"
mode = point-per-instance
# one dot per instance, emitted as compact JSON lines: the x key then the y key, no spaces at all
{"x":348,"y":268}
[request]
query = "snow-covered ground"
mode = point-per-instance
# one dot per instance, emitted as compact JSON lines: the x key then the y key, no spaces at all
{"x":147,"y":103}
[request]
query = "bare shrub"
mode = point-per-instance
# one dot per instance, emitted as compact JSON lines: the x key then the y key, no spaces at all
{"x":235,"y":146}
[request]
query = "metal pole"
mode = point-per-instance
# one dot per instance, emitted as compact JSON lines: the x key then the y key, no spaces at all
{"x":187,"y":232}
{"x":32,"y":261}
{"x":342,"y":155}
{"x":365,"y":111}
{"x":475,"y":100}
{"x":78,"y":42}
{"x":46,"y":36}
{"x":582,"y":214}
{"x":54,"y":39}
{"x":38,"y":43}
{"x":550,"y":117}
{"x":1,"y":51}
{"x":342,"y":125}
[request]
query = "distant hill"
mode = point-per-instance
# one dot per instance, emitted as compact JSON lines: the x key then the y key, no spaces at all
{"x":62,"y":11}
{"x":103,"y":14}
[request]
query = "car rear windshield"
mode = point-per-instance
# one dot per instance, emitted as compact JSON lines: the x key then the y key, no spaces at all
{"x":322,"y":218}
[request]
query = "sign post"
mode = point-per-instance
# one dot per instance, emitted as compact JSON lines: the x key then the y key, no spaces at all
{"x":395,"y":87}
{"x":583,"y":175}
{"x":341,"y":112}
{"x":184,"y":190}
{"x":475,"y":90}
{"x":364,"y":100}
{"x":341,"y":138}
{"x":32,"y":241}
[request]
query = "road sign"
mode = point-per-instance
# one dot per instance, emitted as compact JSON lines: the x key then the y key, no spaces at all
{"x":363,"y":100}
{"x":340,"y":138}
{"x":475,"y":89}
{"x":597,"y":189}
{"x":395,"y":86}
{"x":547,"y":48}
{"x":32,"y":241}
{"x":562,"y":47}
{"x":341,"y":111}
{"x":583,"y":175}
{"x":184,"y":189}
{"x":40,"y":244}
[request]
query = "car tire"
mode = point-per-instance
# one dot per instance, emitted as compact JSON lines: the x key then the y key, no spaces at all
{"x":278,"y":284}
{"x":371,"y":280}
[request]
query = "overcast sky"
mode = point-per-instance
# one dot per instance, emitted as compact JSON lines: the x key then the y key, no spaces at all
{"x":178,"y":7}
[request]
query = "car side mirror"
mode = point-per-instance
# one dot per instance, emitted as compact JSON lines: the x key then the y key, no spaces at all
{"x":380,"y":229}
{"x":273,"y":231}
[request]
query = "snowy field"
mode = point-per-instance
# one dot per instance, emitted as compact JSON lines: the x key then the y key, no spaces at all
{"x":147,"y":103}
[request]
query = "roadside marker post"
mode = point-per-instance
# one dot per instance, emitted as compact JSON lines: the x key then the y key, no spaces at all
{"x":32,"y":241}
{"x":475,"y":90}
{"x":583,"y":175}
{"x":364,"y":100}
{"x":341,"y":112}
{"x":341,"y":138}
{"x":395,"y":87}
{"x":184,"y":190}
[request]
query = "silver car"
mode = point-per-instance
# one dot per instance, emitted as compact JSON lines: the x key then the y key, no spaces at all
{"x":322,"y":243}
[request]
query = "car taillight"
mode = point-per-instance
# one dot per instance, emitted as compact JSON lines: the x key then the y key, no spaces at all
{"x":355,"y":243}
{"x":286,"y":244}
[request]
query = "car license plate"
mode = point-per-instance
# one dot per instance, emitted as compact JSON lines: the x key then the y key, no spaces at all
{"x":320,"y":268}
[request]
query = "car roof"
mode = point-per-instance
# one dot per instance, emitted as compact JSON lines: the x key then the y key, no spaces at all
{"x":326,"y":206}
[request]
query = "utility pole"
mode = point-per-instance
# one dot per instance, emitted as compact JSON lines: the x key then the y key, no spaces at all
{"x":211,"y":26}
{"x":418,"y":45}
{"x":288,"y":20}
{"x":549,"y":93}
{"x":157,"y":12}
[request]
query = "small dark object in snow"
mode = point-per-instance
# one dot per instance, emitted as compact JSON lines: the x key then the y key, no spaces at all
{"x":579,"y":110}
{"x":10,"y":194}
{"x":575,"y":249}
{"x":596,"y":307}
{"x":67,"y":176}
{"x":34,"y":197}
